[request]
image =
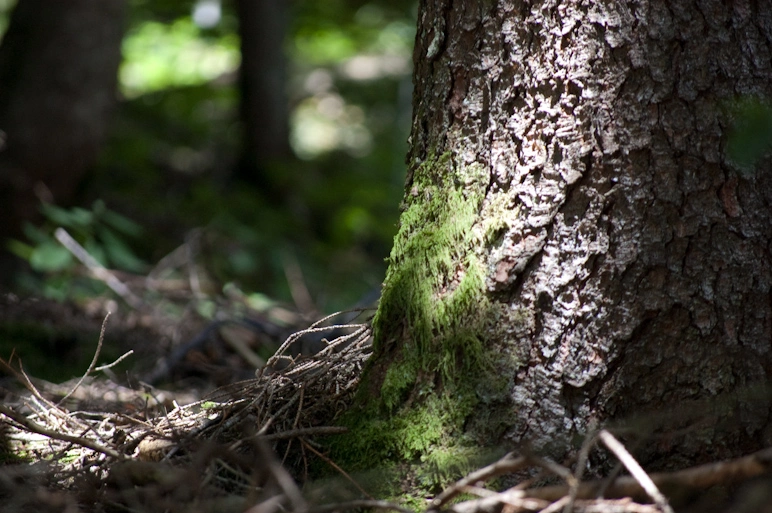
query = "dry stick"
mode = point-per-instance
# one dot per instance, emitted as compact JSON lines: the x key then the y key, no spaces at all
{"x":581,"y":461}
{"x":295,"y":423}
{"x":191,"y":245}
{"x":297,"y":285}
{"x":282,"y":477}
{"x":37,"y":396}
{"x":703,"y":476}
{"x":336,"y":467}
{"x":37,"y":428}
{"x":505,"y":465}
{"x":97,"y":269}
{"x":635,"y":470}
{"x":480,"y":492}
{"x":302,"y":432}
{"x":513,"y":498}
{"x":93,"y":361}
{"x":116,"y":362}
{"x":22,"y":376}
{"x":557,"y":505}
{"x":555,"y":468}
{"x":312,"y":329}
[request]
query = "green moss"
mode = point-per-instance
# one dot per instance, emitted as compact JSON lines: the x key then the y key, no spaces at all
{"x":400,"y":378}
{"x":431,"y":358}
{"x":426,"y":439}
{"x":442,"y":466}
{"x":433,"y":298}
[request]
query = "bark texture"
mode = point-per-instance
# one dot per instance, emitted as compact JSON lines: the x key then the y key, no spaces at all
{"x":58,"y":77}
{"x":626,"y":260}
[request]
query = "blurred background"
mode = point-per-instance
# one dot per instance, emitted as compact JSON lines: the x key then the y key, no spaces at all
{"x":262,"y":142}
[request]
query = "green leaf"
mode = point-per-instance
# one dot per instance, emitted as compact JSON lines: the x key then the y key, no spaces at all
{"x":50,"y":257}
{"x":123,"y":224}
{"x":74,"y":218}
{"x":118,"y":253}
{"x":35,"y":234}
{"x":20,"y":249}
{"x":206,"y":308}
{"x":96,"y":250}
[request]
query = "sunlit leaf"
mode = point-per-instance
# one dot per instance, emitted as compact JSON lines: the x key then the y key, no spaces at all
{"x":50,"y":257}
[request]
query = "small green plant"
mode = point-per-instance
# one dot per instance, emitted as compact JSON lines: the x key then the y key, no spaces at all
{"x":101,"y":232}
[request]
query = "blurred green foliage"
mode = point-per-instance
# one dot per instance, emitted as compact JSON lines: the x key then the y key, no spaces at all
{"x":169,"y":160}
{"x":751,"y":136}
{"x":159,"y":55}
{"x":103,"y":233}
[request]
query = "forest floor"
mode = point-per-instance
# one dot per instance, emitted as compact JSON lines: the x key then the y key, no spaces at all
{"x":169,"y":414}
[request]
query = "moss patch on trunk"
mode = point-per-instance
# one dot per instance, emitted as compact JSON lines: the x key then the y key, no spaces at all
{"x":431,"y":354}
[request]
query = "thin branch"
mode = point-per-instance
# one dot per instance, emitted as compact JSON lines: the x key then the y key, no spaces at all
{"x":584,"y":453}
{"x":336,"y":467}
{"x":282,"y":477}
{"x":97,"y":269}
{"x":700,"y":477}
{"x":635,"y":470}
{"x":297,"y":285}
{"x":508,"y":463}
{"x":92,"y":364}
{"x":295,"y":433}
{"x":116,"y":362}
{"x":37,"y":428}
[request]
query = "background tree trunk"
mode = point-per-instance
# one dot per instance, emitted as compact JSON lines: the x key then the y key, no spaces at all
{"x":574,"y":243}
{"x":58,"y":77}
{"x":263,"y":85}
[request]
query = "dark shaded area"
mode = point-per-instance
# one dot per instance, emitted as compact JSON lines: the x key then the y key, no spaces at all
{"x":210,"y":154}
{"x":58,"y":66}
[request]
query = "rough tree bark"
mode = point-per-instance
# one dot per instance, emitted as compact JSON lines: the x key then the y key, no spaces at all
{"x":574,"y":242}
{"x":58,"y":77}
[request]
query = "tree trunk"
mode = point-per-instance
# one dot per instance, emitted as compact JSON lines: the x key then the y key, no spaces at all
{"x":58,"y":76}
{"x":574,"y":242}
{"x":263,"y":85}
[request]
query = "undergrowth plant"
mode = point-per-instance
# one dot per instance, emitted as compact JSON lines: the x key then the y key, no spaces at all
{"x":102,"y":232}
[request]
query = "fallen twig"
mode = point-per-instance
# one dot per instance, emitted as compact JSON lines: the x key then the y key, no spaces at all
{"x":635,"y":470}
{"x":97,"y":269}
{"x":91,"y":365}
{"x":507,"y":464}
{"x":37,"y":428}
{"x":336,"y":467}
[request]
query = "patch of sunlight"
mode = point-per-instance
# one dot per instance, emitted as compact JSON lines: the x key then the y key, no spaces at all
{"x":324,"y":123}
{"x":158,"y":56}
